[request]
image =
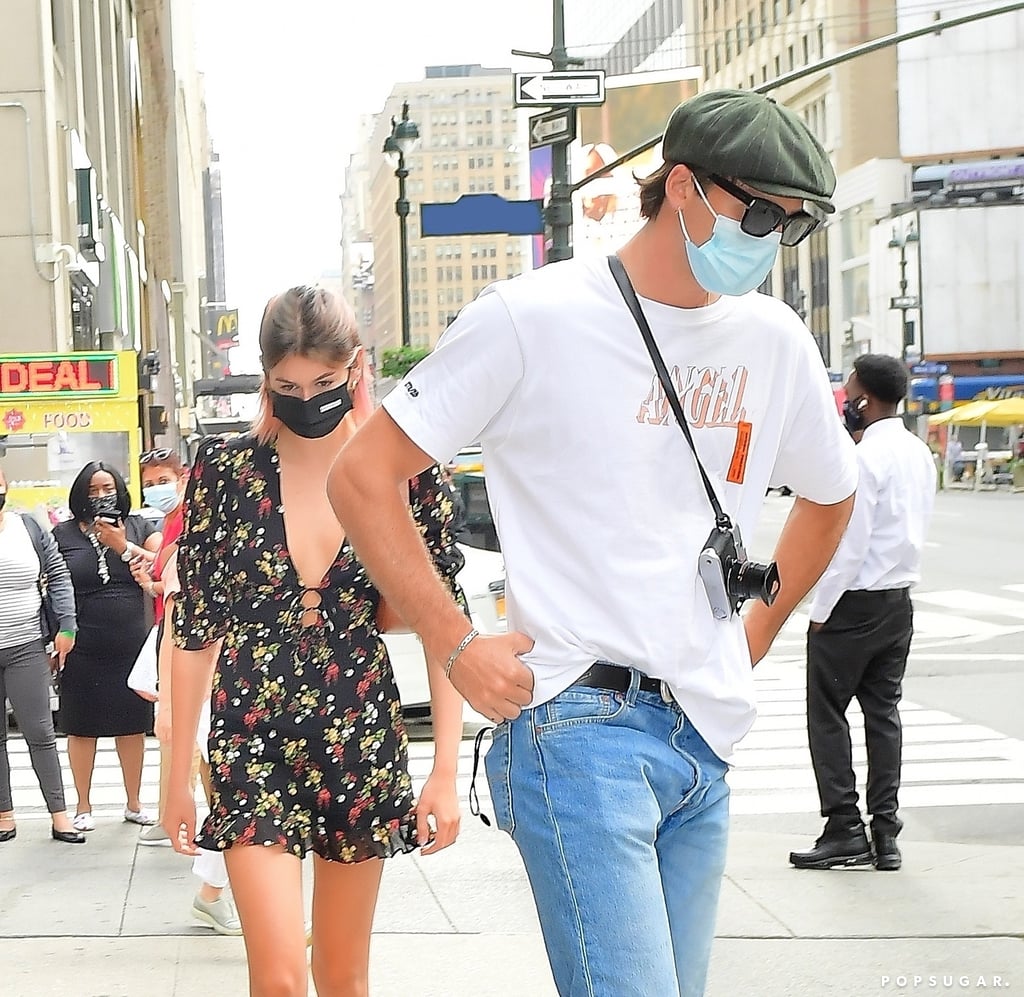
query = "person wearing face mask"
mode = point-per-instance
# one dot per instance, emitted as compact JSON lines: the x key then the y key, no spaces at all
{"x":276,"y":615}
{"x":99,"y":544}
{"x":618,"y":693}
{"x":862,"y":622}
{"x":30,"y":564}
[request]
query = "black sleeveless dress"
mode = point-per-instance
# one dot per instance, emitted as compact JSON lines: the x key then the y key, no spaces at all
{"x":308,"y":749}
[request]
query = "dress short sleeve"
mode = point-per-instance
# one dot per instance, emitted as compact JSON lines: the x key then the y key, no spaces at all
{"x":433,"y":504}
{"x":201,"y":610}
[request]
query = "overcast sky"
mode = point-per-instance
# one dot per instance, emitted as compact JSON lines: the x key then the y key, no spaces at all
{"x":285,"y":85}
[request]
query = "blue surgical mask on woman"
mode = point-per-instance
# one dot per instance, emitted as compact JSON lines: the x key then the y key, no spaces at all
{"x":163,"y":497}
{"x":730,"y":262}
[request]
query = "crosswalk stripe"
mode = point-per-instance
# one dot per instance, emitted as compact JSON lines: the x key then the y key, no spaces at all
{"x":947,"y":761}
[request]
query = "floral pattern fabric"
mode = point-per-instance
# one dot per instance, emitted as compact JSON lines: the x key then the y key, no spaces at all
{"x":308,"y":749}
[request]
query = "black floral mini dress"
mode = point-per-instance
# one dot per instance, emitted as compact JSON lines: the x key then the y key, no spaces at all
{"x":307,"y":745}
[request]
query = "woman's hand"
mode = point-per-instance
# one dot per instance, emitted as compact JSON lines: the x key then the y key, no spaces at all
{"x":140,"y":572}
{"x":162,"y":725}
{"x":111,"y":535}
{"x":63,"y":644}
{"x":437,"y":814}
{"x":180,"y":820}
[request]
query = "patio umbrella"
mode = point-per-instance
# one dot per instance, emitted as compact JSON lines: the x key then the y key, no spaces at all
{"x":1002,"y":412}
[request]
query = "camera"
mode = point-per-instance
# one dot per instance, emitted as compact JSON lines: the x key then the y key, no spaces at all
{"x":729,"y":578}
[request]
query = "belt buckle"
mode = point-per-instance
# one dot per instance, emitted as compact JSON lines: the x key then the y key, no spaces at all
{"x":666,"y":694}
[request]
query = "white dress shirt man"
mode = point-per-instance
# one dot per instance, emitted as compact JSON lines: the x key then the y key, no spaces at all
{"x":862,"y":623}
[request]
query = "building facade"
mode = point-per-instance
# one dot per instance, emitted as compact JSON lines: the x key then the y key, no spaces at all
{"x":102,"y":242}
{"x":470,"y":143}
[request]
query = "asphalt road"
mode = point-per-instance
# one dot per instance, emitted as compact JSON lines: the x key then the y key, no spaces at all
{"x":966,"y":666}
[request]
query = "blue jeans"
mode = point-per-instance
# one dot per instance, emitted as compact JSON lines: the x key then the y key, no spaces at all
{"x":620,"y":812}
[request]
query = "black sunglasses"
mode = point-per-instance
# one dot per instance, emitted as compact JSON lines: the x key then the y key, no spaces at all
{"x":155,"y":456}
{"x":762,"y":217}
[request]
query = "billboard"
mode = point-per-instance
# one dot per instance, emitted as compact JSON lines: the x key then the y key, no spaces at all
{"x":606,"y":212}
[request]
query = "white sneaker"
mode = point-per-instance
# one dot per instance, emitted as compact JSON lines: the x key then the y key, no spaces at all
{"x":154,"y":834}
{"x":219,"y":914}
{"x":84,"y":822}
{"x":144,"y":818}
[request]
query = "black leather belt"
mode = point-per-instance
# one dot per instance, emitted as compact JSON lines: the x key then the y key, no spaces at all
{"x":877,"y":595}
{"x":614,"y":678}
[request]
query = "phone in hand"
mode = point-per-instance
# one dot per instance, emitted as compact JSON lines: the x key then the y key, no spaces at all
{"x":109,"y":517}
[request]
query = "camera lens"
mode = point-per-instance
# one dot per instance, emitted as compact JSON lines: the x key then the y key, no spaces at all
{"x":750,"y":580}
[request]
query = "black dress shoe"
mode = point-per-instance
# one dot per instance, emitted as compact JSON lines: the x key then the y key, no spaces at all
{"x":9,"y":835}
{"x":68,"y":837}
{"x":843,"y":848}
{"x":887,"y":852}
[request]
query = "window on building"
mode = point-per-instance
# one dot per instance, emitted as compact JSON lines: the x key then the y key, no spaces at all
{"x":819,"y":310}
{"x":764,"y":17}
{"x":776,"y":11}
{"x":807,"y":50}
{"x":855,"y":225}
{"x":821,"y":41}
{"x":728,"y":44}
{"x":789,"y":54}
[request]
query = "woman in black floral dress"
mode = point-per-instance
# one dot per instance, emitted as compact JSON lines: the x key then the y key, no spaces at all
{"x":308,"y":750}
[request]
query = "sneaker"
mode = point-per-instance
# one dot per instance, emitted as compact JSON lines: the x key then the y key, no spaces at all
{"x":144,"y":818}
{"x":84,"y":822}
{"x":219,"y":914}
{"x":154,"y":834}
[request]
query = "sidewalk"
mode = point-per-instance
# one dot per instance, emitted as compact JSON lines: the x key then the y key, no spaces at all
{"x":111,"y":919}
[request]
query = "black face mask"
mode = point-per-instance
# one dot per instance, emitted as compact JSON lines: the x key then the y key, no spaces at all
{"x":853,"y":414}
{"x":103,"y":503}
{"x":313,"y":417}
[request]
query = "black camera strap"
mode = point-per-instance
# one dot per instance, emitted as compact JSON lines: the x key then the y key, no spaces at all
{"x":722,"y":520}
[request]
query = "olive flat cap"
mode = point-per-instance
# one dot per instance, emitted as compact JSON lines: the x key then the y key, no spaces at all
{"x":749,"y":137}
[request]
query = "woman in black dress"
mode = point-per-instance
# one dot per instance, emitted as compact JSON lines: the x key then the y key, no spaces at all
{"x":98,"y":544}
{"x":308,"y":750}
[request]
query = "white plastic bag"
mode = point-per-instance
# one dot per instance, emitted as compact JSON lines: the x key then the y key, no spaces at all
{"x":142,"y":677}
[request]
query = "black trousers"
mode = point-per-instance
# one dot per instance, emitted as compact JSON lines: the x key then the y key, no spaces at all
{"x":861,"y":651}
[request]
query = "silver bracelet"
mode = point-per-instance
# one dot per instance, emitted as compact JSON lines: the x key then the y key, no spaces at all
{"x":463,"y":644}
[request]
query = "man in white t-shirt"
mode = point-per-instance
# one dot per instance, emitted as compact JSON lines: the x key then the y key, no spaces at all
{"x":618,"y":694}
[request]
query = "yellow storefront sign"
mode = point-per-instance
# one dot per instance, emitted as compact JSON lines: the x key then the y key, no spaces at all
{"x":58,"y":412}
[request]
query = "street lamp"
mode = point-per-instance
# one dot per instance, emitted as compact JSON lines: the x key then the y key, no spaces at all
{"x":905,"y":301}
{"x":404,"y":138}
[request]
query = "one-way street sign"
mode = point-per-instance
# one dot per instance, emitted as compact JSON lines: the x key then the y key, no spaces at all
{"x":554,"y":126}
{"x":581,"y":86}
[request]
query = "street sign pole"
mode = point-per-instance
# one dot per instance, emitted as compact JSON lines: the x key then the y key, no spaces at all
{"x":559,"y":210}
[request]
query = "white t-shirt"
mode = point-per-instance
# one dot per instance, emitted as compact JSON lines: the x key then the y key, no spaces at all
{"x":595,"y":494}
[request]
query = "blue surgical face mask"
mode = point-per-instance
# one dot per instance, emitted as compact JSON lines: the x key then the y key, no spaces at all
{"x":730,"y":262}
{"x":163,"y":497}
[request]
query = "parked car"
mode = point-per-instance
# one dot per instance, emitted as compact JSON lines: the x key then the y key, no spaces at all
{"x":483,"y":580}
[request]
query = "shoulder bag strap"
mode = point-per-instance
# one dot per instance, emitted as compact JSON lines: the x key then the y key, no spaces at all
{"x":632,"y":302}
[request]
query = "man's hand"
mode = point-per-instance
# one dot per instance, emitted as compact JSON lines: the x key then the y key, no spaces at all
{"x":492,"y":679}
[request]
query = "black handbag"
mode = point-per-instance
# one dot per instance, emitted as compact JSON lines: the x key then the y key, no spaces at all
{"x":47,"y":616}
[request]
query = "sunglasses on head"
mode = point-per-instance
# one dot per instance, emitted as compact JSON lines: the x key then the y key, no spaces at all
{"x":156,"y":456}
{"x":762,"y":217}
